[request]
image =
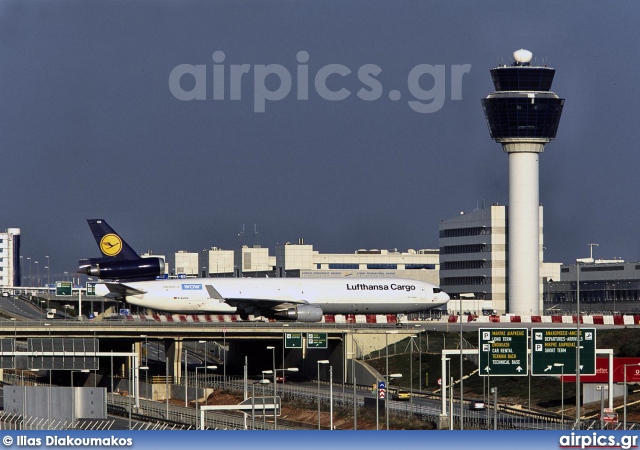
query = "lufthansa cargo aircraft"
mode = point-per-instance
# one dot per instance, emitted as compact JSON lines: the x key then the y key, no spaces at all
{"x":301,"y":299}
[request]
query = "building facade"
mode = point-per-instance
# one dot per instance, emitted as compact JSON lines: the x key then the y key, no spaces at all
{"x":606,"y":286}
{"x":474,"y":259}
{"x":301,"y":260}
{"x":10,"y":270}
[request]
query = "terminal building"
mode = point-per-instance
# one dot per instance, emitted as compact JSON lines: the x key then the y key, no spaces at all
{"x":606,"y":286}
{"x":474,"y":260}
{"x":301,"y":260}
{"x":10,"y":274}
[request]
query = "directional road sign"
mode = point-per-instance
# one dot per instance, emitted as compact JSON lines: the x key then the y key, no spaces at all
{"x":316,"y":340}
{"x":553,"y":351}
{"x":293,"y":340}
{"x":503,"y":351}
{"x":63,"y":288}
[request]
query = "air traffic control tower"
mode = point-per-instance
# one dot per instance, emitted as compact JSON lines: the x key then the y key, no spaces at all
{"x":523,"y":115}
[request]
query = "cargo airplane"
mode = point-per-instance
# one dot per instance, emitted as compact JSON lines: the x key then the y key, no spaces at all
{"x":301,"y":299}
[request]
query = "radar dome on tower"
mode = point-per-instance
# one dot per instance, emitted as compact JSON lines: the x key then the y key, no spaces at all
{"x":522,"y":56}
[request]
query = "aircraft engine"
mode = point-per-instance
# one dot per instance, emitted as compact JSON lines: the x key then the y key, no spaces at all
{"x":118,"y":270}
{"x":303,"y":313}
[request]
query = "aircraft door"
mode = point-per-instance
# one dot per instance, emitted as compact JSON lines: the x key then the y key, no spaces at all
{"x":423,"y":292}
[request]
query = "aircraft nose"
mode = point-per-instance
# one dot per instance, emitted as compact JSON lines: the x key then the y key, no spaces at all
{"x":445,"y":296}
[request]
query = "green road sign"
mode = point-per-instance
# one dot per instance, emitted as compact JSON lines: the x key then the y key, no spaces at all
{"x":91,"y":288}
{"x":293,"y":340}
{"x":503,"y":351}
{"x":553,"y":351}
{"x":63,"y":287}
{"x":316,"y":340}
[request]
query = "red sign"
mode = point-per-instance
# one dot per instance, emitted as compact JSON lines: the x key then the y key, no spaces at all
{"x":602,"y":371}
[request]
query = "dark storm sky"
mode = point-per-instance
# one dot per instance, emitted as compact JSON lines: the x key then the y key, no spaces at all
{"x":90,"y":129}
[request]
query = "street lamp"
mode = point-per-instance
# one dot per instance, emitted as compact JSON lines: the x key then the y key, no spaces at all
{"x":206,"y":356}
{"x":253,"y":402}
{"x":624,"y":423}
{"x":145,"y":366}
{"x":48,"y":274}
{"x":205,"y":367}
{"x":561,"y":365}
{"x":275,"y":386}
{"x":355,"y":398}
{"x":388,"y":378}
{"x":322,"y":361}
{"x":288,"y":369}
{"x":488,"y":370}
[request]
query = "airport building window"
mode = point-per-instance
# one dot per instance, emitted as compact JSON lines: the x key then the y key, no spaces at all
{"x":420,"y":266}
{"x":473,"y":248}
{"x":600,"y":268}
{"x":382,"y":266}
{"x":464,"y":265}
{"x":460,"y":232}
{"x":459,"y":281}
{"x":344,"y":266}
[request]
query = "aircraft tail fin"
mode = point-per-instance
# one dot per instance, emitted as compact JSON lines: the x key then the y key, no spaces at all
{"x":110,"y":243}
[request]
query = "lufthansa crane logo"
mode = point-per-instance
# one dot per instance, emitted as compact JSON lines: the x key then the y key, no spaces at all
{"x":111,"y":244}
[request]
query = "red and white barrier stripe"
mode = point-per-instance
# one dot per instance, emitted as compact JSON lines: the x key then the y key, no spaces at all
{"x":392,"y":318}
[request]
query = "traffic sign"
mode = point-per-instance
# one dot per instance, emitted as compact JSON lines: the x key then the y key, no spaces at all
{"x":439,"y":381}
{"x":553,"y":351}
{"x":382,"y":389}
{"x":503,"y":351}
{"x":63,"y":288}
{"x":293,"y":340}
{"x":91,"y":288}
{"x":316,"y":340}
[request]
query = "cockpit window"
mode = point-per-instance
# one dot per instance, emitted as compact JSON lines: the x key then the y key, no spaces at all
{"x":437,"y":290}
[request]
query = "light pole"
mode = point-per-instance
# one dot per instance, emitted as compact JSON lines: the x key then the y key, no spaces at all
{"x":331,"y":398}
{"x":275,"y":387}
{"x":145,"y":366}
{"x":253,"y":402}
{"x":411,"y":374}
{"x":288,"y":369}
{"x":353,"y":380}
{"x":624,"y":423}
{"x":578,"y":425}
{"x":48,"y":273}
{"x":449,"y":379}
{"x":206,"y":356}
{"x":30,"y":279}
{"x":561,"y":365}
{"x":186,"y":380}
{"x":461,"y":372}
{"x":388,"y":378}
{"x":488,"y":370}
{"x":322,"y":361}
{"x":205,"y":367}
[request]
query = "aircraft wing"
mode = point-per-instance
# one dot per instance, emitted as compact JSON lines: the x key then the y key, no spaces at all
{"x":118,"y":291}
{"x":252,"y":304}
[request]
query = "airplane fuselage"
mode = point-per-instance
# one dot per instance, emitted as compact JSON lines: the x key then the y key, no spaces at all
{"x":333,"y":295}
